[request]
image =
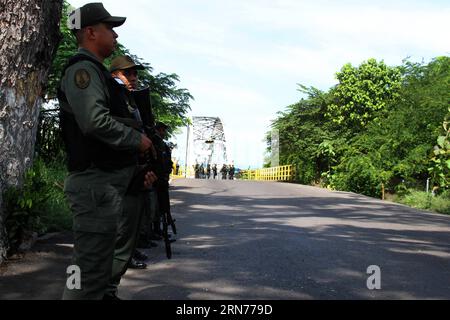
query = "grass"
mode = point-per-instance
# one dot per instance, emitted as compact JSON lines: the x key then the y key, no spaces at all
{"x":56,"y":216}
{"x":426,"y":201}
{"x":38,"y":206}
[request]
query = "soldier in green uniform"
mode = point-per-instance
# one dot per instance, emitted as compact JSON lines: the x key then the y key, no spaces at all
{"x":102,"y":152}
{"x":124,"y":71}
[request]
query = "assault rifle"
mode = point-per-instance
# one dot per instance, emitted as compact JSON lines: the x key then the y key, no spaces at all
{"x":158,"y":163}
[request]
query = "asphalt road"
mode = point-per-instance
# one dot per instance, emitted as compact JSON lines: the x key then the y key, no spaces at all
{"x":263,"y":240}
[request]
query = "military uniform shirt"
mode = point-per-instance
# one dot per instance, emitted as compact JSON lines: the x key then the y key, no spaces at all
{"x":88,"y":96}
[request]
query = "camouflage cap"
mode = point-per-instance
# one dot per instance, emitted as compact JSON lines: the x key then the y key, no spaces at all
{"x":124,"y":62}
{"x":90,"y":14}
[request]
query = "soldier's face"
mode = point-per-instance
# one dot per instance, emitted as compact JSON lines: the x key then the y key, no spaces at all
{"x":129,"y":78}
{"x":105,"y":38}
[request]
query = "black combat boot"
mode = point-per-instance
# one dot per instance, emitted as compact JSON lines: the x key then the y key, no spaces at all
{"x":134,"y":264}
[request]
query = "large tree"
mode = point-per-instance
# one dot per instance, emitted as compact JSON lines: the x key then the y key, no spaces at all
{"x":29,"y":35}
{"x":363,"y":93}
{"x":385,"y":130}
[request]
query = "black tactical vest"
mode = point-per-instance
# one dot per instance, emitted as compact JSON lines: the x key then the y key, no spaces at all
{"x":84,"y":151}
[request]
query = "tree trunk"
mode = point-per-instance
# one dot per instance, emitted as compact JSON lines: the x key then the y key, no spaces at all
{"x":29,"y":35}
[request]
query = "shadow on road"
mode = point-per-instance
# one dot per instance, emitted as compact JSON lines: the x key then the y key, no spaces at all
{"x":302,"y":247}
{"x":285,"y":242}
{"x":40,"y":273}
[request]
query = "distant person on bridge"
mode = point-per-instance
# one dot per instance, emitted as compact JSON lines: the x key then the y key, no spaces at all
{"x":197,"y":171}
{"x":208,"y":171}
{"x":214,"y":169}
{"x":202,"y":171}
{"x":224,"y":171}
{"x":231,"y":172}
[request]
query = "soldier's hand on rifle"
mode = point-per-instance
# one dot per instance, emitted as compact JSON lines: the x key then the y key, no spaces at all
{"x":149,"y":178}
{"x":150,"y":153}
{"x":147,"y":146}
{"x":146,"y":143}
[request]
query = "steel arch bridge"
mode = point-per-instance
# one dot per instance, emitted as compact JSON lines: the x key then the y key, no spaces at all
{"x":209,"y":144}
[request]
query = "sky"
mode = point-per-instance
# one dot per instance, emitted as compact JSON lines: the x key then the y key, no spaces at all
{"x":242,"y":60}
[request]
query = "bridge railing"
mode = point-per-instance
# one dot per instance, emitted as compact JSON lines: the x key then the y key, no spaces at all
{"x":280,"y":173}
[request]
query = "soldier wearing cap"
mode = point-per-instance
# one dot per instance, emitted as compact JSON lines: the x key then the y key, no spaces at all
{"x":102,"y":152}
{"x":124,"y":71}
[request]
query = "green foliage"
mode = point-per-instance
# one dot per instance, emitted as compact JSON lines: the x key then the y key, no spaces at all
{"x":66,"y":49}
{"x":363,"y":92}
{"x":302,"y":128}
{"x":25,"y":205}
{"x":358,"y":174}
{"x":426,"y":201}
{"x":39,"y":205}
{"x":57,"y":214}
{"x":398,"y":141}
{"x":440,"y":162}
{"x":49,"y":143}
{"x":170,"y":104}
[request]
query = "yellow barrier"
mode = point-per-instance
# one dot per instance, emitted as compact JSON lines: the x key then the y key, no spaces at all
{"x":175,"y":174}
{"x":181,"y":170}
{"x":281,"y":173}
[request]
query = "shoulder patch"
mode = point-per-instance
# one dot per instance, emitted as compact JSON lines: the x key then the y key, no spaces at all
{"x":82,"y":78}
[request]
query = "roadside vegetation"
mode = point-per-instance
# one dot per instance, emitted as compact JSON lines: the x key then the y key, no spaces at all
{"x":381,"y":130}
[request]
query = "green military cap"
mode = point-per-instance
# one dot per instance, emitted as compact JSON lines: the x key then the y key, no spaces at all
{"x":90,"y":14}
{"x":124,"y":62}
